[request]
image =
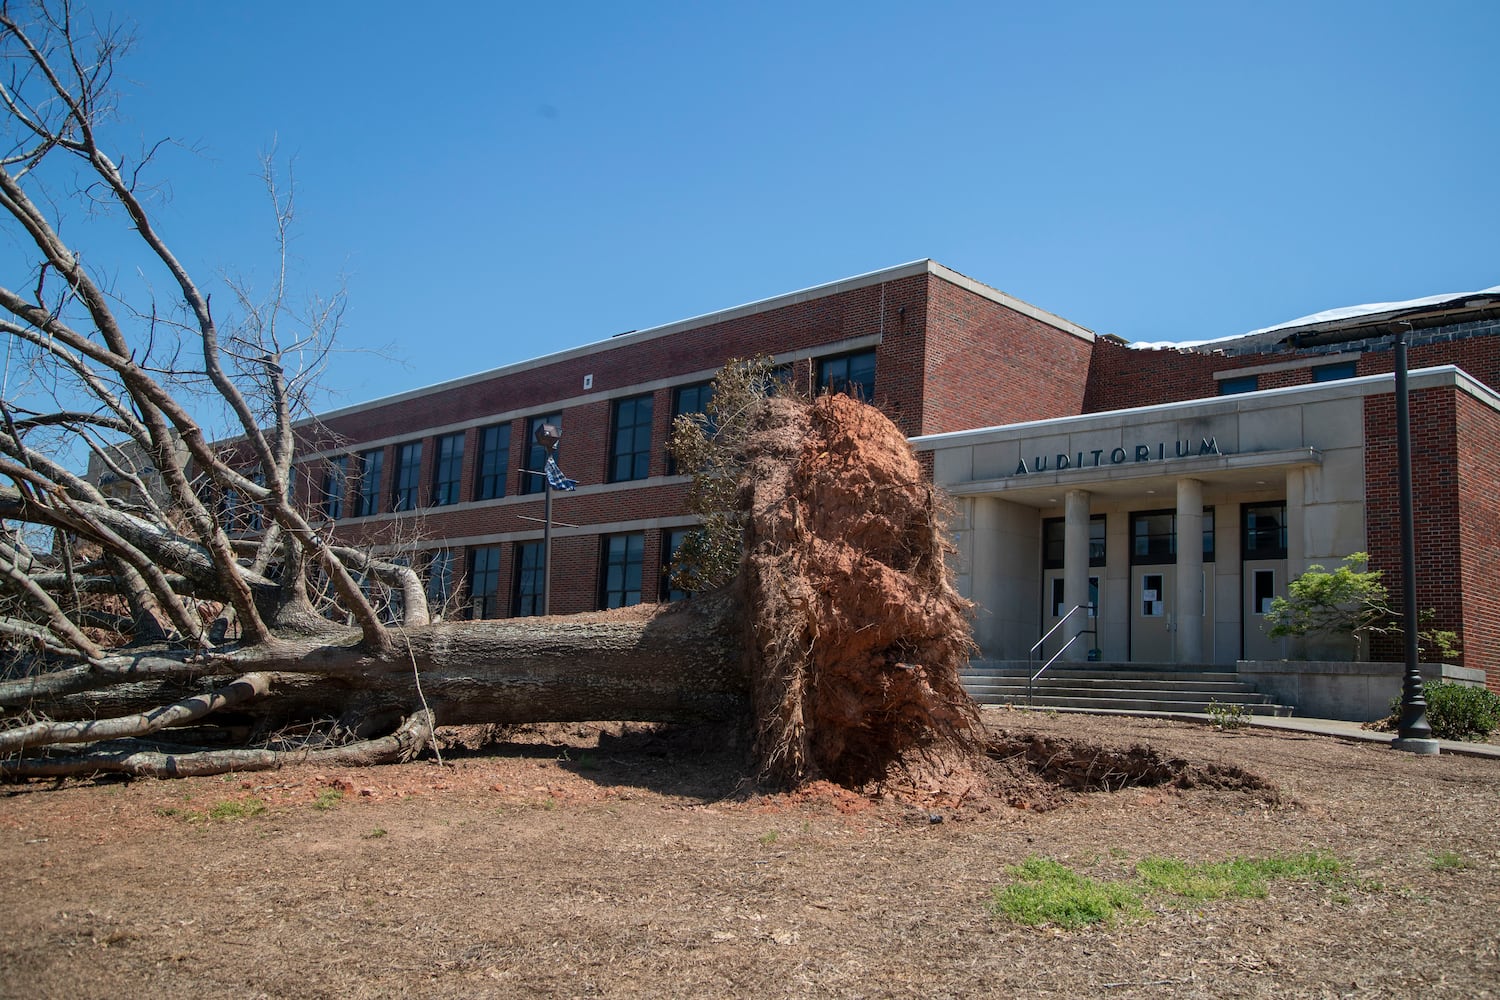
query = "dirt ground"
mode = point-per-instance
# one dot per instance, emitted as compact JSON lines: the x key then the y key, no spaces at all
{"x":598,"y":861}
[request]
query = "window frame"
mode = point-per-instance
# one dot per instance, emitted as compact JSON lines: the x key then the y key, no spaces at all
{"x":629,"y":457}
{"x":671,"y":541}
{"x":447,"y":469}
{"x":630,"y":569}
{"x":1238,"y":384}
{"x":371,"y":474}
{"x":534,"y":476}
{"x":406,"y":477}
{"x":704,"y":393}
{"x":1249,"y":552}
{"x":335,"y":487}
{"x":828,"y":381}
{"x":528,"y":586}
{"x":1097,"y":541}
{"x":492,"y":463}
{"x":490,"y":574}
{"x":1335,"y":372}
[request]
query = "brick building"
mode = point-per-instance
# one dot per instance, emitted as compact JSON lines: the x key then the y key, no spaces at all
{"x":1076,"y":459}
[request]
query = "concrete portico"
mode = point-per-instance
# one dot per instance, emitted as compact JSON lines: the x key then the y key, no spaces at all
{"x":1161,"y":478}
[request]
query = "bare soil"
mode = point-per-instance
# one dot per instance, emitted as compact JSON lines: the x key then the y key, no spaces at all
{"x":604,"y":861}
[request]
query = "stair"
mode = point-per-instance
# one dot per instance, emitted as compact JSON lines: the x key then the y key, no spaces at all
{"x":1116,"y":687}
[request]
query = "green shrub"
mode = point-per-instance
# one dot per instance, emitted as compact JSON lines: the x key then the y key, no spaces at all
{"x":1457,"y":711}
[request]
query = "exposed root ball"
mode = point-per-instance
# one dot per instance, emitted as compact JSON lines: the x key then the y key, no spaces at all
{"x":856,"y":634}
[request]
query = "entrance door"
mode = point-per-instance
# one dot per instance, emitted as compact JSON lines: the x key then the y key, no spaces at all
{"x":1152,"y":589}
{"x":1055,"y":605}
{"x":1263,"y":580}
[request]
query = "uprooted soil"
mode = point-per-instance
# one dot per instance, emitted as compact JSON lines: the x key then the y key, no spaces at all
{"x":604,"y":861}
{"x":855,"y":635}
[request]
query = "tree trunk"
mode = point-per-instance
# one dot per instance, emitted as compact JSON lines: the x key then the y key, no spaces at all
{"x":680,"y":663}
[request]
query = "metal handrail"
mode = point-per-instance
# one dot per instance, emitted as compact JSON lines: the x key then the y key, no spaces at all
{"x":1031,"y":680}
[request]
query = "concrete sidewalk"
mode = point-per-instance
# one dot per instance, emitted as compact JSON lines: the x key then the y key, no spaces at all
{"x":1320,"y":727}
{"x":1353,"y":731}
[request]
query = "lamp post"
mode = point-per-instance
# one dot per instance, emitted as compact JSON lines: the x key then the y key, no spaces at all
{"x":547,"y":437}
{"x":1414,"y":734}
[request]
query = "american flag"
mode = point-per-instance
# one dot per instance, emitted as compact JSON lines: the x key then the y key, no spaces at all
{"x":556,"y":479}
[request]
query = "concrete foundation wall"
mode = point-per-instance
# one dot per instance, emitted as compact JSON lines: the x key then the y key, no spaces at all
{"x":1356,"y":692}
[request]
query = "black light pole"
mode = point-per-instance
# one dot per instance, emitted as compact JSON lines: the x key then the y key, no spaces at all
{"x":547,"y":436}
{"x":1414,"y":734}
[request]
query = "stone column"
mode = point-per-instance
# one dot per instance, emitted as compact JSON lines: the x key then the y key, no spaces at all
{"x":1189,"y":604}
{"x":1076,"y":571}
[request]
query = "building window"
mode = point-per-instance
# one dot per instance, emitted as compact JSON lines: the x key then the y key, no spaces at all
{"x":408,"y":474}
{"x":1265,"y":530}
{"x":1153,"y":536}
{"x":1054,"y":531}
{"x":1153,"y":598}
{"x":447,"y":469}
{"x":484,"y":582}
{"x":685,"y":400}
{"x":494,"y":462}
{"x":671,"y":541}
{"x":335,"y":477}
{"x":534,"y":479}
{"x":620,"y":574}
{"x":439,"y":580}
{"x":851,"y":373}
{"x":630,"y":442}
{"x":1332,"y":373}
{"x":370,"y":468}
{"x":241,"y":515}
{"x":527,"y":599}
{"x":1244,"y":383}
{"x":1060,"y":607}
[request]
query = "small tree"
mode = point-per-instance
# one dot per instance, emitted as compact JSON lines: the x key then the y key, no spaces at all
{"x":712,"y":445}
{"x":1350,"y":600}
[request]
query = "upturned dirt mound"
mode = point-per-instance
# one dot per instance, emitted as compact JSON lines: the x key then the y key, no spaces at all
{"x":856,"y":632}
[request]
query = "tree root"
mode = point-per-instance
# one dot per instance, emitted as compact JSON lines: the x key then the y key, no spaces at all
{"x":413,"y":736}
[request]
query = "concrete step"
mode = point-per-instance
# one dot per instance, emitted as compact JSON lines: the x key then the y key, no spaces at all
{"x":1145,"y":705}
{"x":1053,"y":692}
{"x":1105,"y":687}
{"x":1211,"y":682}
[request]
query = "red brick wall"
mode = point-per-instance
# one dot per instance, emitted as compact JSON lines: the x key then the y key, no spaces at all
{"x":1122,"y":377}
{"x":1435,"y":493}
{"x":794,"y":327}
{"x":988,"y":365}
{"x":1478,"y":431}
{"x":896,"y":310}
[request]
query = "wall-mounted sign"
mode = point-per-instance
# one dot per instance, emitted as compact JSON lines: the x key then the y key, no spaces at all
{"x":1118,"y":456}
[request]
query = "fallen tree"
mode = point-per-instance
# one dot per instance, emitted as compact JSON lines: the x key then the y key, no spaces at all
{"x":204,"y":619}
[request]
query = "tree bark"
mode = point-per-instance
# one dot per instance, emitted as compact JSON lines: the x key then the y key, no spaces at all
{"x":680,"y":664}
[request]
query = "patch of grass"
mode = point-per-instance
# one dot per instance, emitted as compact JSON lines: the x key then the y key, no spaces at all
{"x":1449,"y":861}
{"x":226,"y":810}
{"x":770,"y":837}
{"x":1047,"y":892}
{"x":237,"y":809}
{"x":1050,"y":893}
{"x":1237,"y":878}
{"x":328,"y":798}
{"x":375,"y":834}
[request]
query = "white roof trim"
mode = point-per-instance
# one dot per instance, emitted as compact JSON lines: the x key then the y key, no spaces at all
{"x":1365,"y":385}
{"x":907,"y":270}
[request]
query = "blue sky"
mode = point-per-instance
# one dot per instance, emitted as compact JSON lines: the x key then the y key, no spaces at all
{"x":500,"y":180}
